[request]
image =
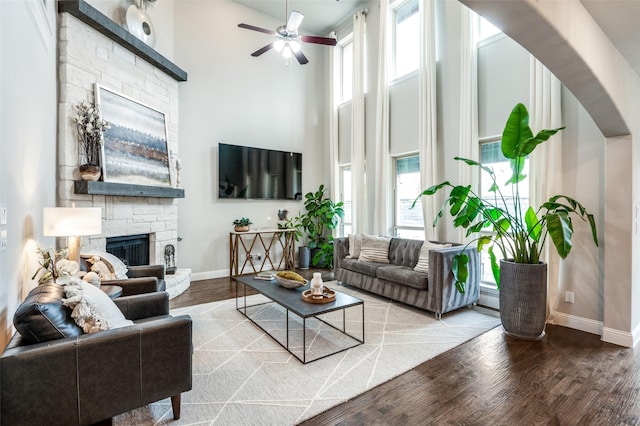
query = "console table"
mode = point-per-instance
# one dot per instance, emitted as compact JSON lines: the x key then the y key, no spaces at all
{"x":243,"y":244}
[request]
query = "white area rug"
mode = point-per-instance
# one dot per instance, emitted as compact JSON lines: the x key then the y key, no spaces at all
{"x":241,"y":376}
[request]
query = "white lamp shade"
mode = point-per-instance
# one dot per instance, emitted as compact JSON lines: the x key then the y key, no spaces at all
{"x":72,"y":221}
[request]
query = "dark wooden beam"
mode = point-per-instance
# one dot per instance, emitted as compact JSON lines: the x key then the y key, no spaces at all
{"x":125,"y":190}
{"x":92,"y":17}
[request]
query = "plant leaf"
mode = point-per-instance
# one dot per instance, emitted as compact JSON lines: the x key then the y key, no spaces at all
{"x":516,"y":130}
{"x":526,"y":147}
{"x":560,"y":231}
{"x":459,"y":267}
{"x":495,"y":268}
{"x":534,"y":227}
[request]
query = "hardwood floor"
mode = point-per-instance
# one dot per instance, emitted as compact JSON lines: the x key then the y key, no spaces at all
{"x":569,"y":378}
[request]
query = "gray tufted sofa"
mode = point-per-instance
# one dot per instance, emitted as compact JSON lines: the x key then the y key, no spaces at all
{"x":434,"y":291}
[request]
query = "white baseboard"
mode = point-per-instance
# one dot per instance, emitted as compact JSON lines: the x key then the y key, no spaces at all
{"x":208,"y":275}
{"x":577,"y":323}
{"x":617,"y":337}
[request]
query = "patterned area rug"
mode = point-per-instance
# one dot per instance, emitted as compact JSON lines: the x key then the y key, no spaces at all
{"x":242,"y":376}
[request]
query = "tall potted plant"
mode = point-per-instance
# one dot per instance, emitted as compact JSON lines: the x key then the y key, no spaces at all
{"x":321,"y":217}
{"x":298,"y":234}
{"x":517,"y":237}
{"x":89,"y":127}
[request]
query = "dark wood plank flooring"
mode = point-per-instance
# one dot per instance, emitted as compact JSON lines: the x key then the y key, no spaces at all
{"x":569,"y":378}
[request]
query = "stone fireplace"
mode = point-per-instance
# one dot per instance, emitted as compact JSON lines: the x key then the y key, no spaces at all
{"x":127,"y":66}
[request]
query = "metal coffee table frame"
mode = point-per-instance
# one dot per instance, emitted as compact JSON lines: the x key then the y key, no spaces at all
{"x":291,"y":301}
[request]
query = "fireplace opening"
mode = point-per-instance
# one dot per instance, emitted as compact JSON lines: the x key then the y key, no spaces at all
{"x":133,"y":250}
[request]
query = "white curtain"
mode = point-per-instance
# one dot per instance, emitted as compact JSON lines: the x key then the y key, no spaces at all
{"x":334,"y":78}
{"x":469,"y":146}
{"x":427,"y":114}
{"x":545,"y":112}
{"x":382,"y":213}
{"x":358,"y":164}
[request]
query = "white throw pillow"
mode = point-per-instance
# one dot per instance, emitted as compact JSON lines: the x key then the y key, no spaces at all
{"x":355,"y":244}
{"x":423,"y":258}
{"x":118,"y":265}
{"x":93,"y":310}
{"x":374,"y":249}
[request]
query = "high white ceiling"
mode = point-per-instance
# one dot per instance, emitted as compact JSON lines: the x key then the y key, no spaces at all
{"x":619,"y":19}
{"x":320,"y":16}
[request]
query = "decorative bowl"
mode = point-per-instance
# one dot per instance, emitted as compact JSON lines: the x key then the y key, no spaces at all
{"x":290,"y":284}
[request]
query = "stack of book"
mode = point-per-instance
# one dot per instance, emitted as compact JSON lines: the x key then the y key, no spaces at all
{"x":267,"y":275}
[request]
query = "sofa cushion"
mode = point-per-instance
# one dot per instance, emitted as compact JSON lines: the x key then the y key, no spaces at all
{"x":43,"y":317}
{"x":403,"y":275}
{"x":93,"y":310}
{"x":404,"y":252}
{"x":366,"y":268}
{"x":355,"y":244}
{"x":423,"y":259}
{"x":374,"y":249}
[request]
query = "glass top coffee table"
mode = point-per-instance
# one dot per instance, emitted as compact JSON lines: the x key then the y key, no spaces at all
{"x":315,"y":331}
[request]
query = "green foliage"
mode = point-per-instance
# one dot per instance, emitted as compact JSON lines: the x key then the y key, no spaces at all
{"x":515,"y":235}
{"x":242,"y":222}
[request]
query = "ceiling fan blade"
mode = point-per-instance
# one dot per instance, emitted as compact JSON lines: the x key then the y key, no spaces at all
{"x":295,"y":19}
{"x":253,"y":28}
{"x":319,"y":40}
{"x":300,"y":57}
{"x":262,"y":50}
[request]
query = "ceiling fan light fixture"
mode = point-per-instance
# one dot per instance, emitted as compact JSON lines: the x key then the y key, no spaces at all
{"x":286,"y":52}
{"x":278,"y":45}
{"x":295,"y":46}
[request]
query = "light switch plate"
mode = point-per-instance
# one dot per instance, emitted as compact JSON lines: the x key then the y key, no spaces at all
{"x":3,"y":239}
{"x":3,"y":215}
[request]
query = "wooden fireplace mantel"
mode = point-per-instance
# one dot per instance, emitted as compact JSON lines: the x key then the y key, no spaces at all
{"x":101,"y":23}
{"x":125,"y":190}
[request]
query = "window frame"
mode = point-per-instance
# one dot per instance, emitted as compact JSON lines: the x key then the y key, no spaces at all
{"x":394,"y":176}
{"x":396,"y":7}
{"x":345,"y":41}
{"x":345,"y":221}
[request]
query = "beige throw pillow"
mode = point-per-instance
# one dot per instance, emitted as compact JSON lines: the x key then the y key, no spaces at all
{"x":423,"y":258}
{"x":355,"y":244}
{"x":374,"y":249}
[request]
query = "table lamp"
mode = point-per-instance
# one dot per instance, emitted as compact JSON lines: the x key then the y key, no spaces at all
{"x":73,"y":223}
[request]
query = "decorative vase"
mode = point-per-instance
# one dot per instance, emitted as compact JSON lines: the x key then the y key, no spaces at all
{"x":523,"y":299}
{"x":304,"y":255}
{"x":317,"y":287}
{"x":89,"y":172}
{"x":241,"y":228}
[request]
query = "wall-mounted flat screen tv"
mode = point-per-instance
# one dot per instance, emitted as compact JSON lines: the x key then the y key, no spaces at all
{"x":256,"y":173}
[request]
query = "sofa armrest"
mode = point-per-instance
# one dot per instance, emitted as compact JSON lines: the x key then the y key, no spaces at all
{"x":340,"y":250}
{"x":131,"y":286}
{"x":146,"y":271}
{"x":442,"y":283}
{"x":95,"y":376}
{"x":144,"y":305}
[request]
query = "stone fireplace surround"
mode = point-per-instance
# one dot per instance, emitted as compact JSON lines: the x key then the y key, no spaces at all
{"x":86,"y":56}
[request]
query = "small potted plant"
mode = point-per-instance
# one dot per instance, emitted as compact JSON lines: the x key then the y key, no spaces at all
{"x":241,"y":225}
{"x":89,"y":126}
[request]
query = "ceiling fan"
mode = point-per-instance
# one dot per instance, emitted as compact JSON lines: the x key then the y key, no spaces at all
{"x":287,"y":38}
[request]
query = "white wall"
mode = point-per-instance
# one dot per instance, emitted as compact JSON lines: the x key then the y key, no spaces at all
{"x":27,"y":142}
{"x":232,"y":97}
{"x":161,"y":17}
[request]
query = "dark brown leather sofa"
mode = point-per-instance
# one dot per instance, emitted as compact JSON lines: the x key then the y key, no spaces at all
{"x":54,"y":374}
{"x":142,"y":279}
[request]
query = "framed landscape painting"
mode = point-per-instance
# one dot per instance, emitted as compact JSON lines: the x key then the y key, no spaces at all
{"x":135,"y":147}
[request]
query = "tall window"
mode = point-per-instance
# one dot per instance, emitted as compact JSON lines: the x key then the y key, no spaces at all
{"x":346,"y":69}
{"x":406,"y":38}
{"x":345,"y":196}
{"x":408,"y":222}
{"x":491,"y":156}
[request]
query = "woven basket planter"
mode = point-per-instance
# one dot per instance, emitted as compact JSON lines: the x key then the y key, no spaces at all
{"x":523,"y":299}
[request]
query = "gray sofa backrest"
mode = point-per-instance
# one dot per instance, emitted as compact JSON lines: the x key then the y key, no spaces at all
{"x":403,"y":252}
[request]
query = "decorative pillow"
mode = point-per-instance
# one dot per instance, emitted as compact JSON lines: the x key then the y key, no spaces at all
{"x":355,"y":244}
{"x":423,"y":258}
{"x":374,"y":249}
{"x":93,"y":310}
{"x":118,"y":265}
{"x":42,"y":317}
